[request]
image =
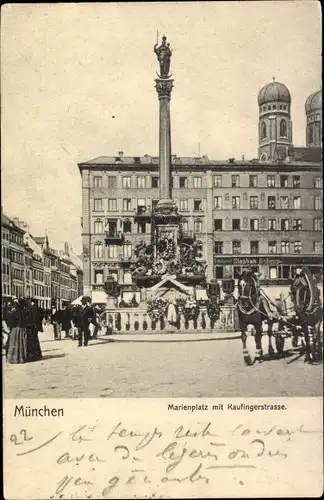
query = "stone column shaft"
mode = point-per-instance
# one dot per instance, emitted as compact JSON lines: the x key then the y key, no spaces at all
{"x":165,"y":150}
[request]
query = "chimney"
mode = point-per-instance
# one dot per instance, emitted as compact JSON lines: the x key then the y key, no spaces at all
{"x":66,"y":248}
{"x":243,"y":158}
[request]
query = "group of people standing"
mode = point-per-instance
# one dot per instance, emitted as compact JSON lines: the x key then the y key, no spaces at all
{"x":21,"y":321}
{"x":76,"y":321}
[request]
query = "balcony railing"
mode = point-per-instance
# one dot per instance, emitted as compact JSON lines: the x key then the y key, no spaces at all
{"x":143,"y":213}
{"x":188,"y":236}
{"x":114,"y":236}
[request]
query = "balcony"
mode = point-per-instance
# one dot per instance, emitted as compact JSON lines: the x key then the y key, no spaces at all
{"x":143,"y":213}
{"x":116,"y":237}
{"x":125,"y":261}
{"x":188,"y":236}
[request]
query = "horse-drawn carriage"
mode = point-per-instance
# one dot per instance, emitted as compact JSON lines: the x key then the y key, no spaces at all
{"x":300,"y":321}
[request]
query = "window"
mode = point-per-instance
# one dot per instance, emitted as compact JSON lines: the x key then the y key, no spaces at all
{"x":155,"y":182}
{"x":253,"y":180}
{"x":254,"y":247}
{"x":297,"y":246}
{"x":219,"y":272}
{"x":317,"y":203}
{"x":272,"y":247}
{"x":126,"y":182}
{"x":283,"y":128}
{"x":98,"y":250}
{"x":272,"y":224}
{"x":285,"y":247}
{"x":273,"y":273}
{"x":317,"y":226}
{"x":197,"y":205}
{"x":198,"y":226}
{"x":236,"y":224}
{"x":183,"y":182}
{"x":98,"y":226}
{"x":127,"y":204}
{"x":235,"y":202}
{"x":271,"y":202}
{"x":317,"y":247}
{"x":218,"y":247}
{"x":127,"y":250}
{"x":271,"y":181}
{"x":284,"y":272}
{"x":284,"y":202}
{"x":112,"y":182}
{"x":141,"y":227}
{"x":112,"y":251}
{"x":127,"y":226}
{"x":141,"y":182}
{"x":218,"y":224}
{"x":183,"y":205}
{"x":236,"y":247}
{"x":254,"y":224}
{"x":284,"y":181}
{"x":197,"y":182}
{"x":297,"y":225}
{"x":97,"y":181}
{"x":253,"y":202}
{"x":97,"y":204}
{"x":218,"y":202}
{"x":237,"y":271}
{"x":296,"y":181}
{"x":218,"y":181}
{"x":297,"y":203}
{"x":318,"y":182}
{"x":263,"y":130}
{"x":112,"y":204}
{"x":235,"y":181}
{"x":284,"y":225}
{"x":185,"y":226}
{"x":310,"y":135}
{"x":98,"y":277}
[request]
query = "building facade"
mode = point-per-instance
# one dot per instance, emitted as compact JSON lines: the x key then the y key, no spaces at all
{"x":30,"y":268}
{"x":264,"y":213}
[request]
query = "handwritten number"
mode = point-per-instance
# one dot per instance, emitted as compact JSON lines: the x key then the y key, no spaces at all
{"x":17,"y":440}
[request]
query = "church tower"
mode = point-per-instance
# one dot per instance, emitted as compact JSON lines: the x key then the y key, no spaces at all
{"x":313,"y":108}
{"x":275,"y":127}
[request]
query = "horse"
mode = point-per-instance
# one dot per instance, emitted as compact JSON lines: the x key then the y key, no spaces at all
{"x":253,"y":309}
{"x":308,"y":313}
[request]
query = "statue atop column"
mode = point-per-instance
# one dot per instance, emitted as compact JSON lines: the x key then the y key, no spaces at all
{"x":163,"y":54}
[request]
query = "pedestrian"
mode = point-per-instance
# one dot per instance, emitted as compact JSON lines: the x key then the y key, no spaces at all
{"x":85,"y":317}
{"x":66,"y":322}
{"x":19,"y":322}
{"x":34,"y":352}
{"x":56,"y":319}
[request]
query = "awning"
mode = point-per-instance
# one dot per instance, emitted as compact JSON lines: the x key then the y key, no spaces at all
{"x":77,"y":302}
{"x":99,"y":297}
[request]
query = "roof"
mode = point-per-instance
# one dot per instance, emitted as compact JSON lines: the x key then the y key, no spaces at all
{"x":33,"y":245}
{"x":6,"y":221}
{"x":145,"y":160}
{"x":314,"y":102}
{"x":274,"y":91}
{"x":307,"y":154}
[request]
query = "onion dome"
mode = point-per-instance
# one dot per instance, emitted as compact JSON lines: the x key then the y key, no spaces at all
{"x":314,"y":102}
{"x":274,"y":91}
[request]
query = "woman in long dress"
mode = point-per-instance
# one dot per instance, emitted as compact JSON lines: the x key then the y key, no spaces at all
{"x":17,"y":322}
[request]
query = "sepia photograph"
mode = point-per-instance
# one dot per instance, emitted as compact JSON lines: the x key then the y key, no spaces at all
{"x":162,"y":205}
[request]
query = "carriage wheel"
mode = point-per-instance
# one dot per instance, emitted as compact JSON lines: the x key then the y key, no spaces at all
{"x":280,"y":343}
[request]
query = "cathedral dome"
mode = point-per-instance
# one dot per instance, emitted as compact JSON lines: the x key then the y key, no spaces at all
{"x":274,"y":91}
{"x":314,"y":102}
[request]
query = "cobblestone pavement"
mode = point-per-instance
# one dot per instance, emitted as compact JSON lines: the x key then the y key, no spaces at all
{"x":185,"y":366}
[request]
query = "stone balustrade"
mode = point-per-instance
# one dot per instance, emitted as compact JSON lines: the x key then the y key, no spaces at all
{"x":137,"y":320}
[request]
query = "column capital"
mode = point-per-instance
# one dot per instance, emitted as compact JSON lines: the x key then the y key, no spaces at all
{"x":164,"y":88}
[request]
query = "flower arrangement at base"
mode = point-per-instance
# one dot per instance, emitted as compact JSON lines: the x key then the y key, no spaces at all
{"x":213,"y":311}
{"x":156,"y":309}
{"x":189,"y":308}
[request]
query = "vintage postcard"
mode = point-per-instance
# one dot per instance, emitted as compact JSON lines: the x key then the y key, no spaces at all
{"x":161,"y":250}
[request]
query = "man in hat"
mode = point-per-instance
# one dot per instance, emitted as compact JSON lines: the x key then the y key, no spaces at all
{"x":85,"y":317}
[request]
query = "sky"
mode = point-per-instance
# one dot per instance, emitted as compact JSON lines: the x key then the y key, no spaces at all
{"x":78,"y":82}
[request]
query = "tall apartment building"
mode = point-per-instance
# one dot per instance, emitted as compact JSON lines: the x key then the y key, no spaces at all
{"x":264,"y":213}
